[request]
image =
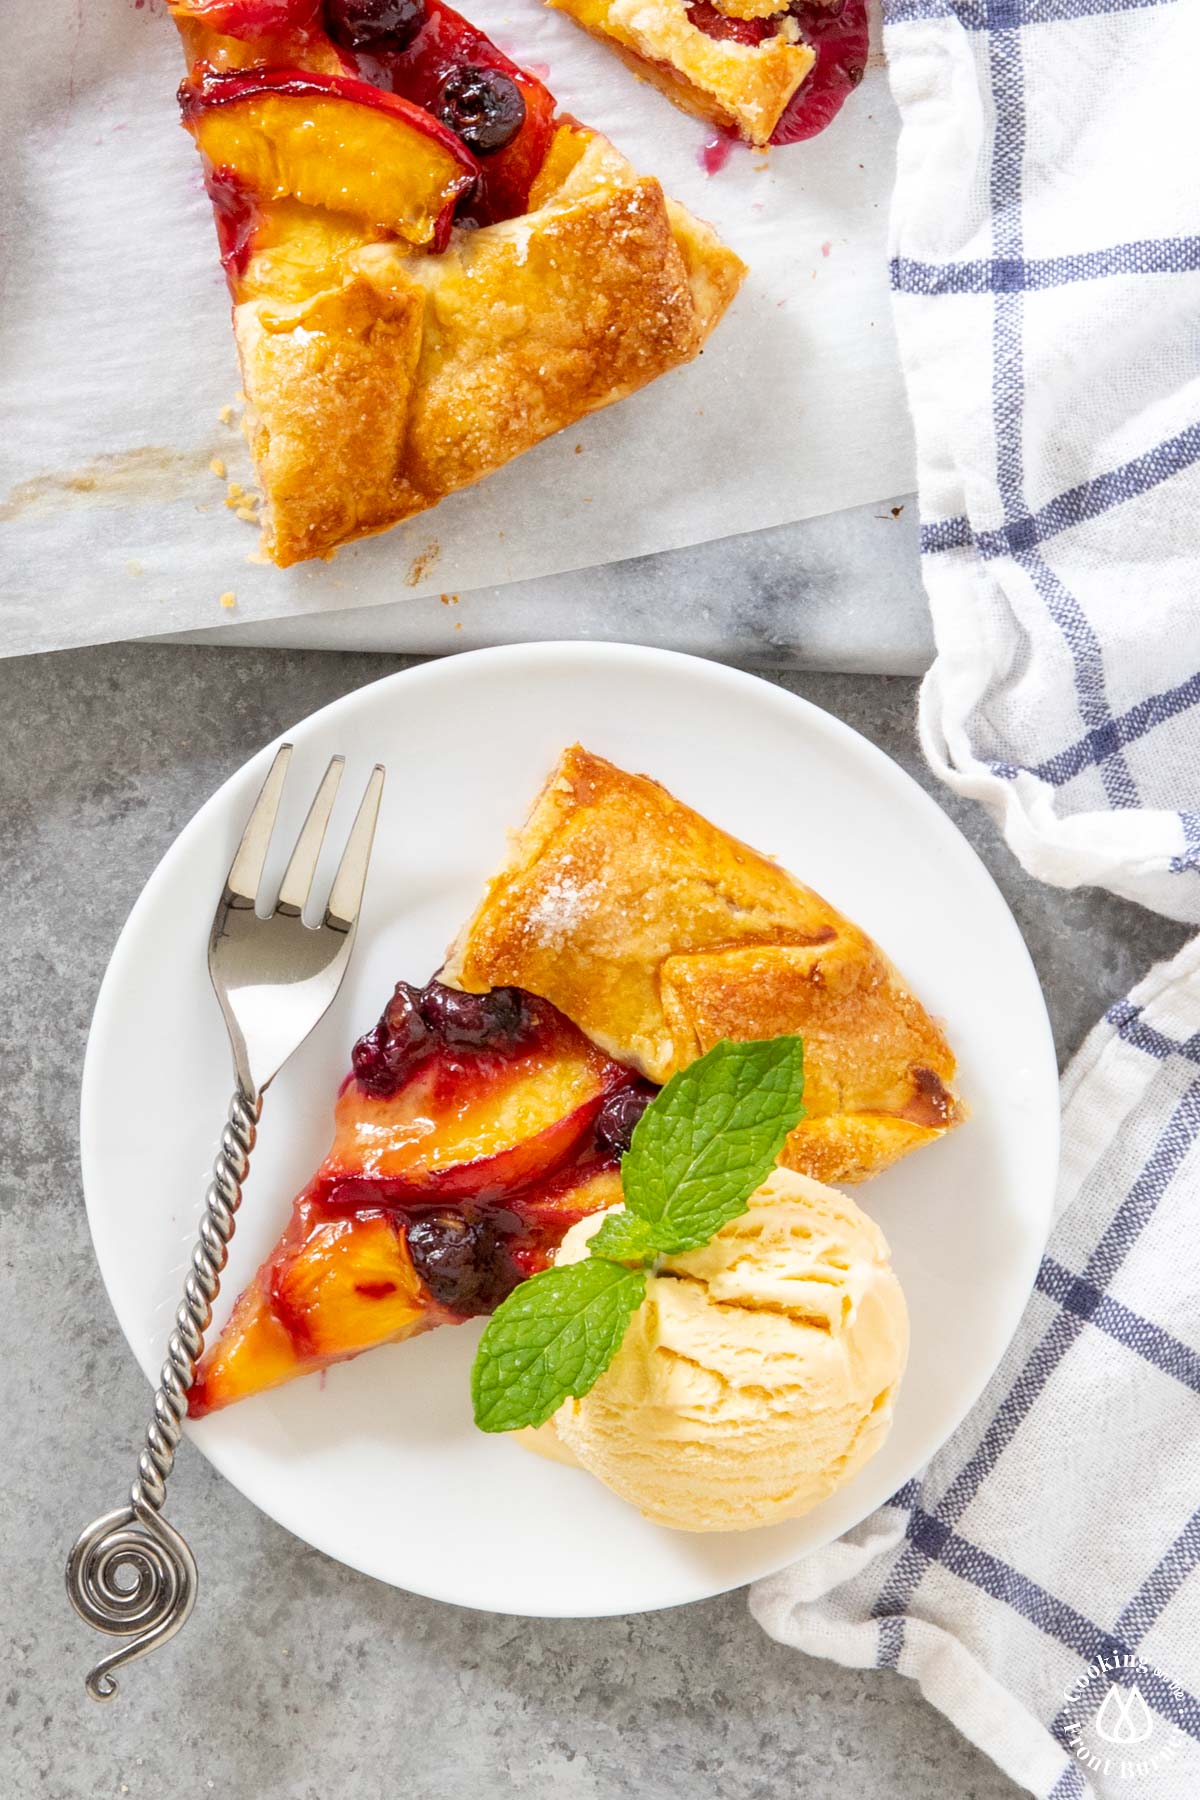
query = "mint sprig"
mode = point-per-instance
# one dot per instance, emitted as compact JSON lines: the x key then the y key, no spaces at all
{"x":710,"y":1138}
{"x":553,"y":1336}
{"x":700,"y":1149}
{"x":624,"y":1238}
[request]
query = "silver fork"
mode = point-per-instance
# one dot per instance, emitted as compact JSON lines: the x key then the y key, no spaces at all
{"x":130,"y":1574}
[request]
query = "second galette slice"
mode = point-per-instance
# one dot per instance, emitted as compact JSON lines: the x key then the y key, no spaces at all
{"x":773,"y":71}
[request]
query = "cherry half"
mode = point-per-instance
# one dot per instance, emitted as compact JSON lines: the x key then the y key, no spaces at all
{"x":376,"y":26}
{"x":484,"y":106}
{"x":463,"y":1256}
{"x":416,"y":1022}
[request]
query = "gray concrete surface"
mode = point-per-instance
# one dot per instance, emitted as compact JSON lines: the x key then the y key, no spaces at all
{"x":298,"y":1678}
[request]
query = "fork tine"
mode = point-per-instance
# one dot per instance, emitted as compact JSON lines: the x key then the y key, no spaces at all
{"x":348,"y":883}
{"x":298,"y":877}
{"x":246,"y":872}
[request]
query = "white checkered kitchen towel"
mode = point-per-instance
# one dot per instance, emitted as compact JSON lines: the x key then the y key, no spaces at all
{"x":1040,"y":1581}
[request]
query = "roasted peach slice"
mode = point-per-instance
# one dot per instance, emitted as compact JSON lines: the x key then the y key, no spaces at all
{"x":256,"y":1351}
{"x":331,"y":1288}
{"x":455,"y":1129}
{"x":331,"y":142}
{"x":248,"y":18}
{"x":351,"y":1285}
{"x":291,"y":250}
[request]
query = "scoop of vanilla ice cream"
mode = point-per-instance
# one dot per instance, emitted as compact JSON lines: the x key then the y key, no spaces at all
{"x":760,"y":1372}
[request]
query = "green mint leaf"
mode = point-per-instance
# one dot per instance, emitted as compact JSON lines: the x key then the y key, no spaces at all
{"x":554,"y":1336}
{"x":711,"y":1137}
{"x":624,"y":1238}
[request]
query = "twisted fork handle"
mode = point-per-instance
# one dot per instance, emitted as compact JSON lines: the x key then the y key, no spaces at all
{"x":158,"y":1592}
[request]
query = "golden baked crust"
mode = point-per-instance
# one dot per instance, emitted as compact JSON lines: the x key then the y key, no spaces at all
{"x":418,"y":375}
{"x":659,"y":934}
{"x":743,"y":86}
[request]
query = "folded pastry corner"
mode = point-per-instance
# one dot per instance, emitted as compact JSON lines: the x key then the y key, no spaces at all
{"x":658,"y":934}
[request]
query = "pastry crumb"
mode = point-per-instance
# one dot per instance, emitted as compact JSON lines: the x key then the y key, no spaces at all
{"x":422,"y":563}
{"x":134,"y":568}
{"x":579,"y":449}
{"x":242,"y":503}
{"x":218,"y":468}
{"x":228,"y":600}
{"x":226,"y":415}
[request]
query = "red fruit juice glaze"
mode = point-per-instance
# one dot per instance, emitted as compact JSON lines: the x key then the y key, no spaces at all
{"x":713,"y":155}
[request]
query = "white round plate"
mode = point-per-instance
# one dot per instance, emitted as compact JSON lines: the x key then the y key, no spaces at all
{"x":378,"y":1462}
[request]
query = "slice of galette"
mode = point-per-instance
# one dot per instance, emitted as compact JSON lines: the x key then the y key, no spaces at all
{"x":431,"y":268}
{"x":480,"y":1121}
{"x":658,"y":934}
{"x":773,"y":71}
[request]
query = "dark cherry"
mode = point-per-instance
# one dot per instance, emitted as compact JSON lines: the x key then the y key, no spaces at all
{"x":402,"y":1016}
{"x":619,"y":1114}
{"x":463,"y":1261}
{"x":382,"y":1058}
{"x":478,"y":1020}
{"x":484,"y":106}
{"x":375,"y":26}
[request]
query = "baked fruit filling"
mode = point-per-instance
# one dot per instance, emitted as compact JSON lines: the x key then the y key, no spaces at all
{"x":395,"y":117}
{"x":266,"y":133}
{"x":773,"y":71}
{"x":472,"y":1132}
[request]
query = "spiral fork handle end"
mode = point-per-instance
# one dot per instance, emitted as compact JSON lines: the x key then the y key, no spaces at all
{"x":159,"y":1590}
{"x":148,"y":1609}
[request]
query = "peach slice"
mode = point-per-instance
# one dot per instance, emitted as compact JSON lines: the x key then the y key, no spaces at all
{"x":332,"y":142}
{"x":256,"y":1351}
{"x":333,"y":1288}
{"x":350,"y":1286}
{"x":248,"y":18}
{"x":449,"y":1132}
{"x":291,"y":250}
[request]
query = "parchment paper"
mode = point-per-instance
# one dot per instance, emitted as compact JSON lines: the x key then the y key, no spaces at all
{"x":116,"y":357}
